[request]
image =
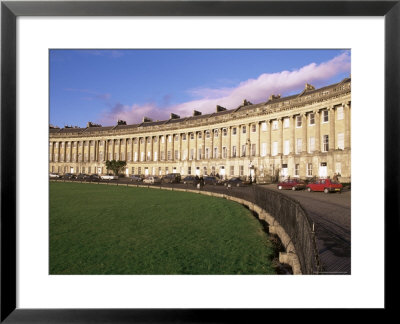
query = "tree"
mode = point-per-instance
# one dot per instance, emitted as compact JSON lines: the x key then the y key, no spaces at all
{"x":115,"y":166}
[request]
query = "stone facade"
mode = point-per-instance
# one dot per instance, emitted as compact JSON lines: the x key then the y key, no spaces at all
{"x":303,"y":135}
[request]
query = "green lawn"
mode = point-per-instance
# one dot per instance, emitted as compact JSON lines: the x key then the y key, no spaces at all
{"x":100,"y":229}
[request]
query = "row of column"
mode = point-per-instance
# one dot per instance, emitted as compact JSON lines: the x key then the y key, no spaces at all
{"x":150,"y":148}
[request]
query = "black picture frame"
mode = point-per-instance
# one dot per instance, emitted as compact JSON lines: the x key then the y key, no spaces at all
{"x":10,"y":10}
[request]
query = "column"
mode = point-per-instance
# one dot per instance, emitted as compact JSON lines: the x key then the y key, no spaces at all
{"x":229,"y":148}
{"x":248,"y":143}
{"x":269,"y":130}
{"x":196,"y":155}
{"x":347,"y":126}
{"x":203,"y":149}
{"x":317,"y":131}
{"x":151,"y":149}
{"x":238,"y":148}
{"x":304,"y":132}
{"x":280,"y":125}
{"x":219,"y":155}
{"x":258,"y":145}
{"x":332,"y":128}
{"x":212,"y":143}
{"x":292,"y":120}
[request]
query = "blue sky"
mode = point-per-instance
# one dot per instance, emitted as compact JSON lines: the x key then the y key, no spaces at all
{"x":103,"y":86}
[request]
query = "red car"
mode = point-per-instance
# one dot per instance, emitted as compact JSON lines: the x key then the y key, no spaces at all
{"x":325,"y":185}
{"x":294,"y":184}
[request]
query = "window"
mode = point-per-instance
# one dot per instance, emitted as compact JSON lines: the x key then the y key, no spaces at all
{"x":89,"y":169}
{"x":224,"y":152}
{"x":232,"y":170}
{"x":275,"y":125}
{"x":155,"y":140}
{"x":234,"y":131}
{"x":286,"y":123}
{"x":133,"y":170}
{"x":215,"y":153}
{"x":159,"y":171}
{"x":109,"y":157}
{"x":340,"y":137}
{"x":215,"y":132}
{"x":299,"y":145}
{"x":162,"y":139}
{"x":148,"y":140}
{"x":340,"y":114}
{"x":184,"y":137}
{"x":129,"y":157}
{"x":176,"y":154}
{"x":298,"y":121}
{"x":189,"y":170}
{"x":253,"y":128}
{"x":243,"y":129}
{"x":205,"y":170}
{"x":241,"y":170}
{"x":296,"y":170}
{"x":263,"y":126}
{"x":83,"y":169}
{"x":274,"y":148}
{"x":141,"y":156}
{"x":191,"y":136}
{"x":309,"y":170}
{"x":191,"y":154}
{"x":253,"y":149}
{"x":170,"y":138}
{"x":244,"y":150}
{"x":286,"y":147}
{"x":199,"y":154}
{"x":155,"y":156}
{"x":148,"y":156}
{"x":136,"y":156}
{"x":135,"y":141}
{"x":233,"y":151}
{"x":207,"y":153}
{"x":325,"y":143}
{"x":224,"y":132}
{"x":200,"y":135}
{"x":169,"y":155}
{"x":166,"y":170}
{"x":325,"y":116}
{"x":311,"y":119}
{"x":207,"y":134}
{"x":264,"y":149}
{"x":311,"y":147}
{"x":139,"y":170}
{"x":176,"y":138}
{"x":162,"y":156}
{"x":142,"y":140}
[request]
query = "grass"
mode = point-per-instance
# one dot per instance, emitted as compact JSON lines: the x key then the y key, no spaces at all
{"x":99,"y":229}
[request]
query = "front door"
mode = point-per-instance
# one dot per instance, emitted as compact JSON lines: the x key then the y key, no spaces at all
{"x":323,"y":170}
{"x":99,"y":170}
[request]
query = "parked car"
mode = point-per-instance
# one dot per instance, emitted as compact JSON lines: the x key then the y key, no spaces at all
{"x":293,"y":184}
{"x":172,"y":178}
{"x":93,"y":177}
{"x":69,"y":176}
{"x":54,"y":175}
{"x":234,"y":182}
{"x":325,"y":185}
{"x":190,"y":180}
{"x":136,"y":178}
{"x":109,"y":177}
{"x":152,"y":180}
{"x":210,"y":180}
{"x":82,"y":176}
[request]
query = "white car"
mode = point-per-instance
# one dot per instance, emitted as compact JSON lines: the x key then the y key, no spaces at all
{"x":152,"y":180}
{"x":54,"y":175}
{"x":109,"y":177}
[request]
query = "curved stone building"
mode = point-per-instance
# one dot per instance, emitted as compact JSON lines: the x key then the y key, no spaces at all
{"x":303,"y":135}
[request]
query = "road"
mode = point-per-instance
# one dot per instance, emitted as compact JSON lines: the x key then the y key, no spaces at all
{"x":331,"y":214}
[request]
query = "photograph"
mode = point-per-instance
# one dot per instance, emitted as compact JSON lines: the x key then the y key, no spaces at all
{"x":199,"y":161}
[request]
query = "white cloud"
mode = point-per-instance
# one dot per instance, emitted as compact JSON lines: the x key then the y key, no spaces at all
{"x":255,"y":90}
